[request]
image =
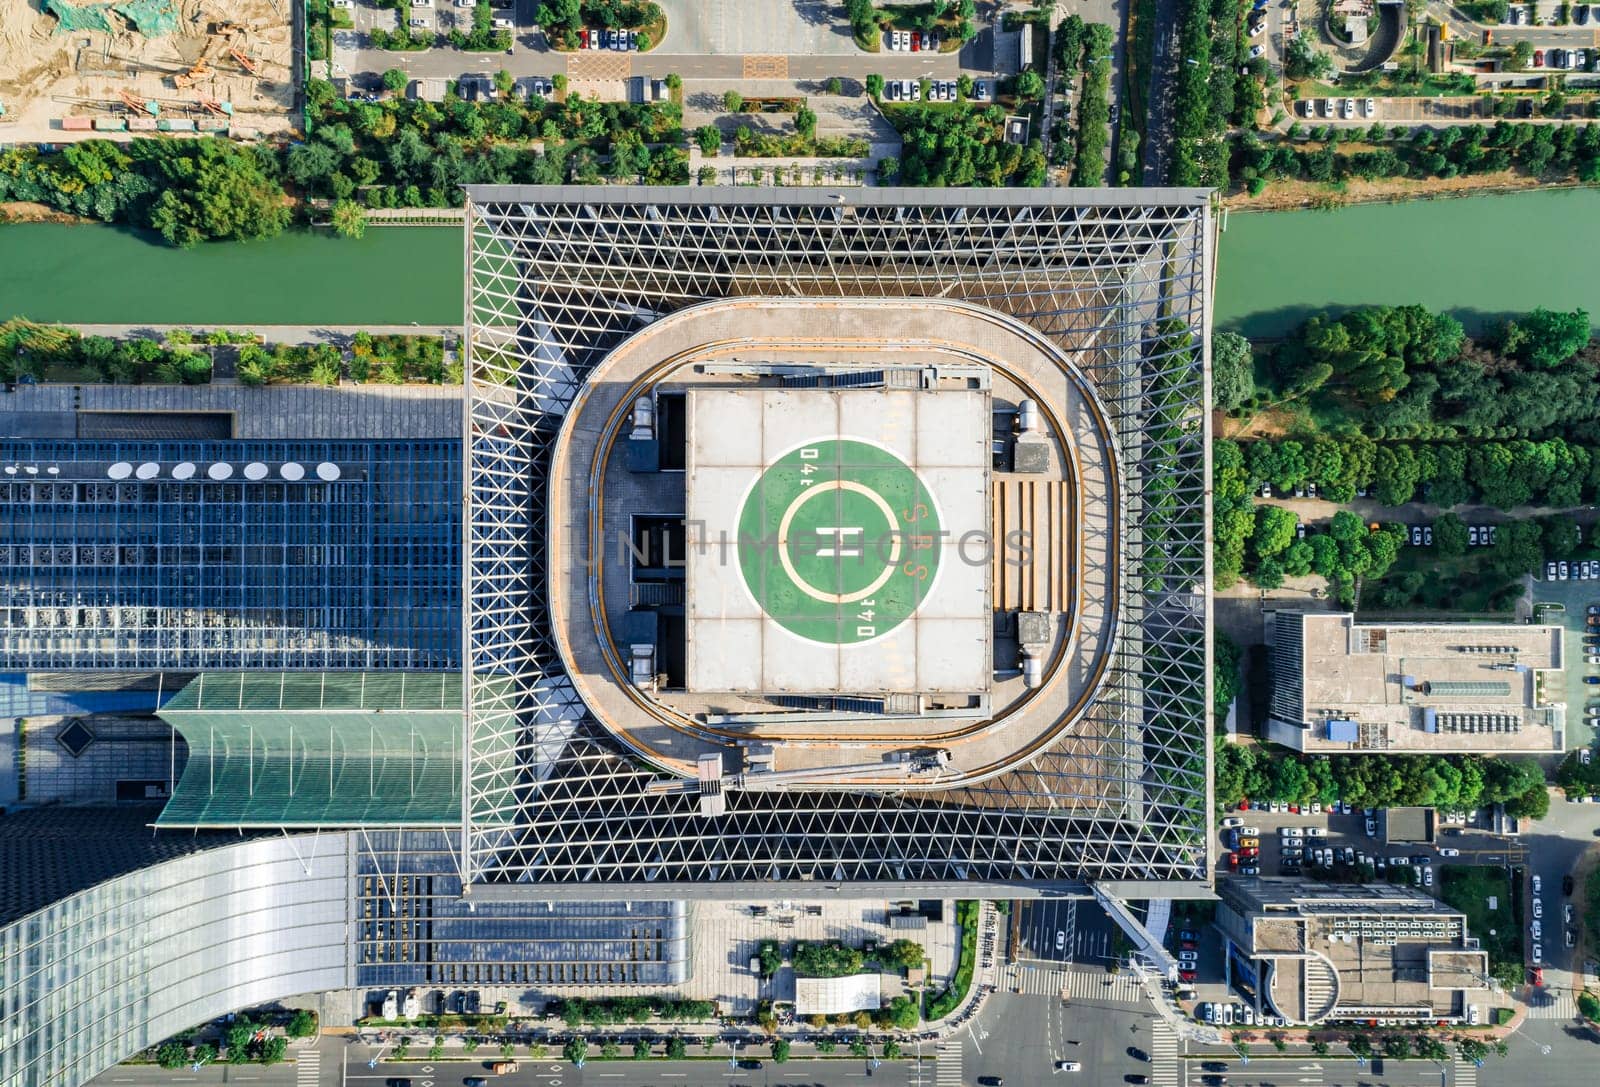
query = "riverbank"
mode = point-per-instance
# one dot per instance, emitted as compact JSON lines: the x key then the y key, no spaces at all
{"x":1312,"y":195}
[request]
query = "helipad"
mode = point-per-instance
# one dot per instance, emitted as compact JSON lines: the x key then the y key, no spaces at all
{"x":837,"y":541}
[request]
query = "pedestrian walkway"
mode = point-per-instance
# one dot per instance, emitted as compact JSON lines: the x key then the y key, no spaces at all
{"x":1466,"y":1073}
{"x":1163,"y":1055}
{"x":307,"y":1067}
{"x":947,"y":1071}
{"x":1082,"y":985}
{"x":1561,"y":1006}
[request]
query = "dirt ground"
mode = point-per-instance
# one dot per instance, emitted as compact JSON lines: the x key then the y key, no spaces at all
{"x":47,"y":74}
{"x":1282,"y":195}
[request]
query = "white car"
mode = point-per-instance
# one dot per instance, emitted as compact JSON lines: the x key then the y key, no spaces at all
{"x":1188,"y":956}
{"x":503,"y":24}
{"x":1249,"y":832}
{"x":1566,"y":912}
{"x":1399,"y":862}
{"x":1249,"y":1014}
{"x":1449,"y":852}
{"x":1538,"y":907}
{"x":1256,"y":51}
{"x":1427,"y":877}
{"x":1537,"y":928}
{"x":1316,"y":832}
{"x":1348,"y":108}
{"x":1369,"y":108}
{"x":1538,"y":885}
{"x":1538,"y":954}
{"x":1068,"y":1066}
{"x":1232,"y":821}
{"x":1211,"y":1013}
{"x":1227,"y":1015}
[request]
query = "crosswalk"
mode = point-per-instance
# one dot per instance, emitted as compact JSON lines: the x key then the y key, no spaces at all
{"x":308,"y":1067}
{"x":1561,"y":1006}
{"x":1163,"y":1055}
{"x":1466,"y":1074}
{"x":947,"y":1070}
{"x":1082,"y":985}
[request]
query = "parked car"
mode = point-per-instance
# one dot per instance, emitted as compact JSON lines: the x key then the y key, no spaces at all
{"x":1537,"y":928}
{"x":1549,"y":571}
{"x":1538,"y":885}
{"x":1416,"y":535}
{"x":1249,"y":870}
{"x":1256,"y":51}
{"x":1232,"y":821}
{"x":1371,"y":108}
{"x":1449,"y":852}
{"x":1538,"y":908}
{"x":1538,"y":58}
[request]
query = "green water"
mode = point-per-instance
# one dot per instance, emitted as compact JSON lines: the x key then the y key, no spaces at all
{"x":104,"y":275}
{"x":1480,"y":257}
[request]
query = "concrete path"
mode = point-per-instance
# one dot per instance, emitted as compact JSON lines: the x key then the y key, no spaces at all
{"x":291,"y":334}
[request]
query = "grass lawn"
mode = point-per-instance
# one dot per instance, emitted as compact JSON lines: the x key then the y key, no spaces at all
{"x":1467,"y":887}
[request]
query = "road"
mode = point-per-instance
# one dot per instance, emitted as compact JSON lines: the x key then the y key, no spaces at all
{"x":1312,"y":1072}
{"x":291,"y":334}
{"x":1163,"y":85}
{"x":657,"y":1073}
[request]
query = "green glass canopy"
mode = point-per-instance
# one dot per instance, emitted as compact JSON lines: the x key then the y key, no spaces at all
{"x":318,"y":749}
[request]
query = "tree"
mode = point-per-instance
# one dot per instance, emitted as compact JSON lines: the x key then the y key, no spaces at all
{"x":237,"y":1040}
{"x":1232,"y":370}
{"x":875,"y":86}
{"x":576,"y":1051}
{"x":641,"y":1049}
{"x":205,"y":1053}
{"x":504,"y":83}
{"x":1546,"y":338}
{"x":707,"y":175}
{"x":1302,"y":61}
{"x":780,"y":1051}
{"x":172,"y":1055}
{"x":1397,"y":1046}
{"x":1430,"y":1048}
{"x":1450,"y":535}
{"x":610,"y":1050}
{"x":1030,"y":84}
{"x":1588,"y":1006}
{"x":835,"y":85}
{"x":1359,"y":1046}
{"x":1471,"y":1050}
{"x":1274,"y":530}
{"x":732,"y":102}
{"x":1319,"y":1047}
{"x":891,"y":1050}
{"x":217,"y":190}
{"x":303,"y":1024}
{"x":902,"y":954}
{"x":395,"y":80}
{"x":805,"y":121}
{"x":348,"y":219}
{"x":274,"y":1049}
{"x":676,"y":1048}
{"x":1521,"y":54}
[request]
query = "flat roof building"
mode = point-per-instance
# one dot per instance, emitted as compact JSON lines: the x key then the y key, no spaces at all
{"x":1342,"y":686}
{"x":1318,"y":952}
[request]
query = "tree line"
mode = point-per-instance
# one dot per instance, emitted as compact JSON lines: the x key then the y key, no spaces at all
{"x":1454,"y":151}
{"x":1094,"y":104}
{"x":1209,"y":35}
{"x":1377,"y":780}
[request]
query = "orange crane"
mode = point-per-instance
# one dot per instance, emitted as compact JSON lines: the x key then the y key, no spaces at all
{"x":135,"y":104}
{"x":244,"y":60}
{"x":193,"y":76}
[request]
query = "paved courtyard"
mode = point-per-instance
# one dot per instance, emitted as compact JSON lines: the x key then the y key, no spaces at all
{"x":778,"y":27}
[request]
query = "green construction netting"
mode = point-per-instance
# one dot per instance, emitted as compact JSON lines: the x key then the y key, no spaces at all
{"x":71,"y":17}
{"x":299,"y":749}
{"x":151,"y":18}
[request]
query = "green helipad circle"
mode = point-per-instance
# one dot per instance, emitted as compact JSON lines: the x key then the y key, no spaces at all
{"x":838,"y":541}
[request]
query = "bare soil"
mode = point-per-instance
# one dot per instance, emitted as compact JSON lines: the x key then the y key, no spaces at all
{"x":47,"y":74}
{"x":23,"y":211}
{"x":1283,"y":195}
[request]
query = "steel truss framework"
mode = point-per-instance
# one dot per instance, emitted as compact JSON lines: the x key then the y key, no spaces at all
{"x":1119,"y":279}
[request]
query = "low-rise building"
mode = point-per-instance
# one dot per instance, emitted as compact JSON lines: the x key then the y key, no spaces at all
{"x":1339,"y":686}
{"x":1314,"y":952}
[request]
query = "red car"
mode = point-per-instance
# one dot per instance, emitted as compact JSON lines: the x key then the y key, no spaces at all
{"x":1244,"y":805}
{"x":1233,"y":860}
{"x":1538,"y":58}
{"x":1188,"y":945}
{"x":583,"y":39}
{"x":1186,"y":975}
{"x":916,"y":41}
{"x":1538,"y":975}
{"x":1294,"y":809}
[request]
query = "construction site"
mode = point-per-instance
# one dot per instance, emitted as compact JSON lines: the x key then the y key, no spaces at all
{"x":74,"y":69}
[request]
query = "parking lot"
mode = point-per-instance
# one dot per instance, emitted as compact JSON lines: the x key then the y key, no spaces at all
{"x":355,"y":59}
{"x":1470,"y":843}
{"x":1575,"y":598}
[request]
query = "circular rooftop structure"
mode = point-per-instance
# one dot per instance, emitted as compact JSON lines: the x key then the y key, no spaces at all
{"x":867,"y":543}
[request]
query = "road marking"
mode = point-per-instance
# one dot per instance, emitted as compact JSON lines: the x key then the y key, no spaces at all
{"x":947,"y":1065}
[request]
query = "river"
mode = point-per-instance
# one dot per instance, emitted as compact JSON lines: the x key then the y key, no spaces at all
{"x":1480,"y":257}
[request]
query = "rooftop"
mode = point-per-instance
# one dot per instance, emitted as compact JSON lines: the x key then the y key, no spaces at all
{"x":1414,"y":686}
{"x":847,"y":506}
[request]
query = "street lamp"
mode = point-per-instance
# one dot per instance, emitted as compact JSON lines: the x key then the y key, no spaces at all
{"x":733,"y":1053}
